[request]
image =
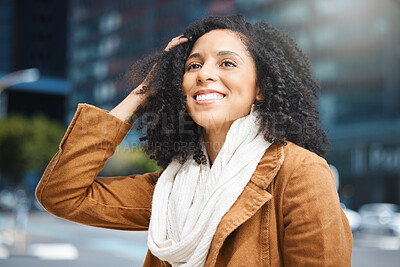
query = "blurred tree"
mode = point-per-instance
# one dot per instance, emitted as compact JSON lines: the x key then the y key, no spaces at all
{"x":26,"y":144}
{"x":127,"y":161}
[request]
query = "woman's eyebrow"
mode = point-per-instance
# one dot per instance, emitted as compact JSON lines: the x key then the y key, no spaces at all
{"x":222,"y":53}
{"x":194,"y":55}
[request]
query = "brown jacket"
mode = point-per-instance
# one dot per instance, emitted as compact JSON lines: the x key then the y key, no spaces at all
{"x":287,"y":215}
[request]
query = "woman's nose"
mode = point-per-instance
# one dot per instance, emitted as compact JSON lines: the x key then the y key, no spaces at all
{"x":206,"y":73}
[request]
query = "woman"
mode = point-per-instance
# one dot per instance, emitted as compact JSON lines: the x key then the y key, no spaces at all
{"x":234,"y":126}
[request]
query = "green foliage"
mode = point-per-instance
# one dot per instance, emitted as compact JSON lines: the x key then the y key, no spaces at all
{"x":127,"y":161}
{"x":26,"y":144}
{"x":29,"y":144}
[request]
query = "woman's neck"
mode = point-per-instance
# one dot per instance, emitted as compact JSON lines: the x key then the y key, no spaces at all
{"x":215,"y":139}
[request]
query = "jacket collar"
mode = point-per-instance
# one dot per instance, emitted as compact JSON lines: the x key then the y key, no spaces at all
{"x":253,"y":197}
{"x":268,"y":166}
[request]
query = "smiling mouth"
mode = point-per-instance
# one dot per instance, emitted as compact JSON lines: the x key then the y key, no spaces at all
{"x":208,"y":98}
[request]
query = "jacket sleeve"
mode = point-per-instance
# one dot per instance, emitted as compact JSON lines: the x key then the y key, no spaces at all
{"x":317,"y":232}
{"x":70,"y":188}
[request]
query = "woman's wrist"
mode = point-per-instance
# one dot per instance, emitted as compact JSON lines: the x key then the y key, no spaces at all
{"x":131,"y":108}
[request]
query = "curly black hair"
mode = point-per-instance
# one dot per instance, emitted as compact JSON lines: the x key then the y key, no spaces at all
{"x":287,"y":111}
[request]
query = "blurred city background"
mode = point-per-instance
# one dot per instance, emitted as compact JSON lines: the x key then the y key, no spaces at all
{"x":55,"y":54}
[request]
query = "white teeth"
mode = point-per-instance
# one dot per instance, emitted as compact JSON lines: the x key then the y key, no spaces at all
{"x":209,"y":97}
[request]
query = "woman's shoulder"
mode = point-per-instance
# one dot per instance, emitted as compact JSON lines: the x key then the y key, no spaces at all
{"x":298,"y":160}
{"x":281,"y":161}
{"x":302,"y":169}
{"x":295,"y":154}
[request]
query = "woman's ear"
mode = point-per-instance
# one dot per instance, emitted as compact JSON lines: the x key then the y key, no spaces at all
{"x":259,"y":95}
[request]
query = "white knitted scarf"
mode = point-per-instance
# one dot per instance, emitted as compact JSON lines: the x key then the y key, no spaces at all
{"x":190,"y":199}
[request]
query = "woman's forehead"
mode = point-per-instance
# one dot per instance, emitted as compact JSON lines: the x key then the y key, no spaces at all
{"x":219,"y":41}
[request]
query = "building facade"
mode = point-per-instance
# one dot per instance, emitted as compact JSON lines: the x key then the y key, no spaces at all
{"x":33,"y":35}
{"x":354,"y":47}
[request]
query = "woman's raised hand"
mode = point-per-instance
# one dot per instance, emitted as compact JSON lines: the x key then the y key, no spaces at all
{"x":176,"y":41}
{"x":173,"y":43}
{"x":129,"y":109}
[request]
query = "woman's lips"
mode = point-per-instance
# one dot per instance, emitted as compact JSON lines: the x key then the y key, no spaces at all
{"x":208,"y":98}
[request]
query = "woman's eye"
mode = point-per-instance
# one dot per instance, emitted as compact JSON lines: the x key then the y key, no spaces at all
{"x":193,"y":66}
{"x":228,"y":64}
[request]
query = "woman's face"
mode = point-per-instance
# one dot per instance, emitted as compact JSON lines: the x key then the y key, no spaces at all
{"x":219,"y":80}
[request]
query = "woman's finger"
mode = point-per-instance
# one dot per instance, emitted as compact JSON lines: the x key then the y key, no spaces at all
{"x":176,"y":41}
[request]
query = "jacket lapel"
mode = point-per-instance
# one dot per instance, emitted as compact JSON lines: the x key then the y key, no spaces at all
{"x":253,"y":197}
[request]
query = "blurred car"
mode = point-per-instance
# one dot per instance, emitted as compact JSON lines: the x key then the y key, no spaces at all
{"x":353,"y":217}
{"x":380,"y":218}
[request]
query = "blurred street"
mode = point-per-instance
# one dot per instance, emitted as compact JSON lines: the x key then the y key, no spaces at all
{"x":375,"y":250}
{"x":69,"y":244}
{"x":55,"y":242}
